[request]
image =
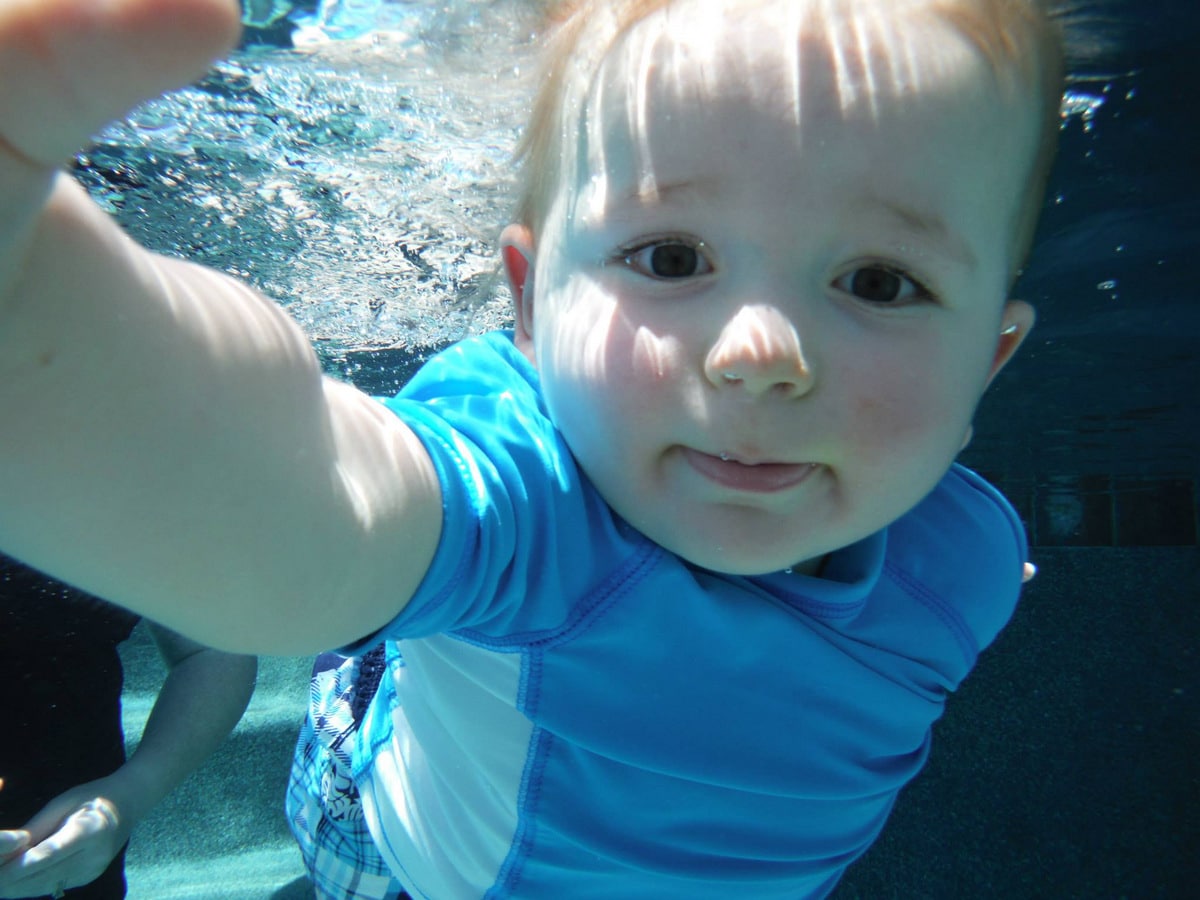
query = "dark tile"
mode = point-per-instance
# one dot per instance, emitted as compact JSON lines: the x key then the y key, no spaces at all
{"x":1156,"y":513}
{"x":1094,"y":484}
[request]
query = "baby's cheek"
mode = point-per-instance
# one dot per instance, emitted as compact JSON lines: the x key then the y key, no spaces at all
{"x":650,"y":357}
{"x":901,"y":409}
{"x":633,"y":385}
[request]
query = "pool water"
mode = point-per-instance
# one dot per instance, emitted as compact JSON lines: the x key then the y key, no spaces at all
{"x":361,"y":183}
{"x":361,"y":179}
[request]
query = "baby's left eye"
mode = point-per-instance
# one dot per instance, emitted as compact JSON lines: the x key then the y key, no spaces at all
{"x":882,"y":285}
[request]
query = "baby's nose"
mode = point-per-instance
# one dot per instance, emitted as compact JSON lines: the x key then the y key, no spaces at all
{"x":759,"y":351}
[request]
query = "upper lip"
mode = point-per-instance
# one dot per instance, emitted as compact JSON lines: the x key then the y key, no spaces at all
{"x":748,"y":458}
{"x":744,"y":459}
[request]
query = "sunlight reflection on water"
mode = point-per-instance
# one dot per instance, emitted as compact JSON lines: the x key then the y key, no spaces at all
{"x":360,"y":183}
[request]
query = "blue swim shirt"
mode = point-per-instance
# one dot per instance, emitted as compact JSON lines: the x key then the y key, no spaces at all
{"x":570,"y":711}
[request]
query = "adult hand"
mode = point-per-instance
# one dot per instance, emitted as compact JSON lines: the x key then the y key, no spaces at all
{"x":70,"y":842}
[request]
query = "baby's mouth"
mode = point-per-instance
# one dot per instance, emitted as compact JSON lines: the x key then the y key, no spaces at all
{"x":756,"y":477}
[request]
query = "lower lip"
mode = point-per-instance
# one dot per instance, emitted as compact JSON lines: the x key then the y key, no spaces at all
{"x":765,"y":478}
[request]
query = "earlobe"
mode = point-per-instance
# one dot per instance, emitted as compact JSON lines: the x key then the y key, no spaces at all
{"x":1015,"y":326}
{"x":517,"y":254}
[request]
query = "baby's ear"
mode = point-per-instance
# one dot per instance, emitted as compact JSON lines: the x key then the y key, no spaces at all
{"x":516,"y":252}
{"x":1015,"y":326}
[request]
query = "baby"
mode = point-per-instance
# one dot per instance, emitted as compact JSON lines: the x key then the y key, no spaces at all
{"x":659,"y":594}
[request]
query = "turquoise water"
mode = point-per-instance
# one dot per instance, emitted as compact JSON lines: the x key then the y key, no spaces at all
{"x":361,"y":177}
{"x":360,"y":182}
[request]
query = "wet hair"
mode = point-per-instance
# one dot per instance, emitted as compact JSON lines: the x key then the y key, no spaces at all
{"x":1017,"y":38}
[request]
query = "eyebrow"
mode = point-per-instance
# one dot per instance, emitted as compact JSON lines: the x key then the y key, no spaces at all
{"x":929,"y":228}
{"x":658,"y":192}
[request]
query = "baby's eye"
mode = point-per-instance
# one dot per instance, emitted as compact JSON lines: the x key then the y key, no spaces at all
{"x":882,"y":285}
{"x":667,"y":259}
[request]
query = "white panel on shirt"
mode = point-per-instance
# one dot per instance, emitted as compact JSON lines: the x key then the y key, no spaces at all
{"x":442,"y":803}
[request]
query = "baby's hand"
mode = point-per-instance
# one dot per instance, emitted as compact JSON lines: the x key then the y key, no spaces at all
{"x":66,"y":68}
{"x":70,"y":66}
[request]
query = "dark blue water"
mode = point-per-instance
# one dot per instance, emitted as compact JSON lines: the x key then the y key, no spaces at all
{"x":1099,"y":415}
{"x":1115,"y":349}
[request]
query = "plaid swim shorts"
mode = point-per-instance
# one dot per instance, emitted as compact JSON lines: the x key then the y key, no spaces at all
{"x":323,"y":804}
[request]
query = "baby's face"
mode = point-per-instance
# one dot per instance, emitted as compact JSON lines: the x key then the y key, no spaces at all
{"x":772,"y":291}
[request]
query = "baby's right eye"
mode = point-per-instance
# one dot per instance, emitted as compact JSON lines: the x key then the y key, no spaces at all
{"x":667,"y":259}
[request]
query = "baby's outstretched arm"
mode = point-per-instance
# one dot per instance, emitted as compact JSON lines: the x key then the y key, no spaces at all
{"x":168,"y":439}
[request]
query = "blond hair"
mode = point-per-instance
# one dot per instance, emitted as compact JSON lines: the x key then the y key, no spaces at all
{"x":1017,"y":37}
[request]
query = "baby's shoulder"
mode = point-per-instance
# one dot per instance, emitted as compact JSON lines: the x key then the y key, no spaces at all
{"x":966,"y":511}
{"x":963,"y":547}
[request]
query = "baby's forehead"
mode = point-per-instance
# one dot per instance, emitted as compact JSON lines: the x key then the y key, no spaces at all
{"x":809,"y":66}
{"x":848,"y":54}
